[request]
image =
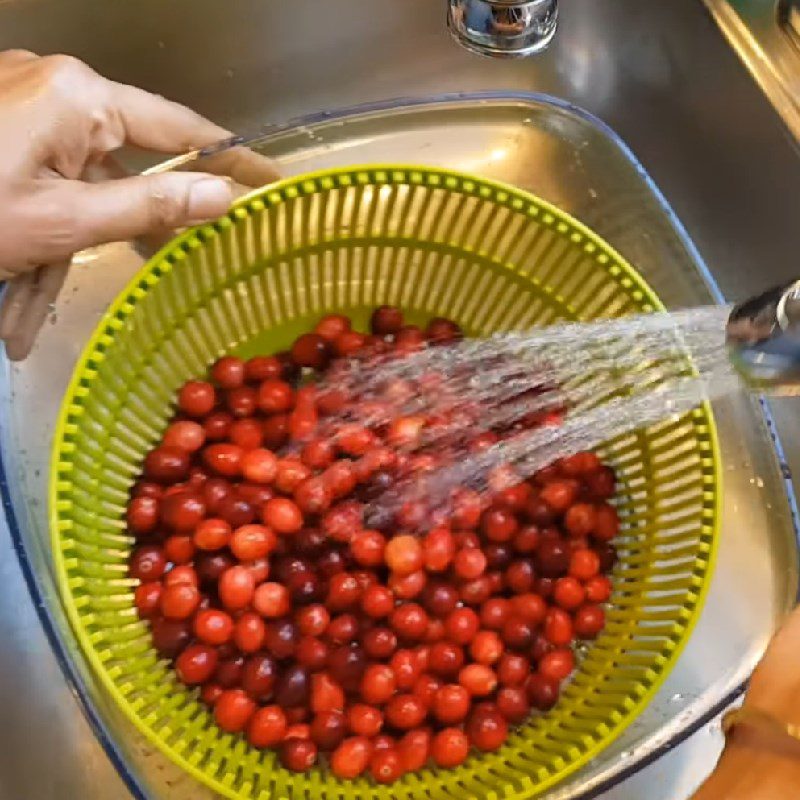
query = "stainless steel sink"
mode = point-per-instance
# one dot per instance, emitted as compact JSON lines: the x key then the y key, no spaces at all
{"x":661,"y":75}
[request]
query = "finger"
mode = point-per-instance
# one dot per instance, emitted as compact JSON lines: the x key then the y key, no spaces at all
{"x":40,"y":304}
{"x":63,"y":217}
{"x":15,"y":300}
{"x":10,"y":58}
{"x":154,"y":123}
{"x":243,"y":165}
{"x":157,"y":124}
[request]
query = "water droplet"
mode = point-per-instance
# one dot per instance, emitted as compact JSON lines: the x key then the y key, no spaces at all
{"x":676,"y":698}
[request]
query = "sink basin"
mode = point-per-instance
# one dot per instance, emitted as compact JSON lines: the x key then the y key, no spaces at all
{"x":571,"y":159}
{"x":665,"y":80}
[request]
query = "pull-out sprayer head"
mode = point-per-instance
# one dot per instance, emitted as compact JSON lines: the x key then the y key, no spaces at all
{"x":763,"y":335}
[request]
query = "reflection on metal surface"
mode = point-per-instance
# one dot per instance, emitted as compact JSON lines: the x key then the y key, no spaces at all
{"x":503,"y":28}
{"x":764,"y":34}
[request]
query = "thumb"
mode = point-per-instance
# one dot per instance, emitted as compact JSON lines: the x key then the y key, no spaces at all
{"x":73,"y":215}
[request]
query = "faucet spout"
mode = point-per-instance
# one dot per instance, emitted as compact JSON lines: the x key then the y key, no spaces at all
{"x":763,"y":336}
{"x":503,"y":28}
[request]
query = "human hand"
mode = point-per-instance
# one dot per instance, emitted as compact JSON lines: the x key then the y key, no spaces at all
{"x":59,"y":124}
{"x":755,"y":766}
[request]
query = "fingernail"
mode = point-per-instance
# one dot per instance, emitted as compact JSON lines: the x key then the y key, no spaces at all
{"x":208,"y":198}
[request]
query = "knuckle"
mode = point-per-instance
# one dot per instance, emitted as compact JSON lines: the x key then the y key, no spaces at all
{"x":63,"y":73}
{"x":17,"y":54}
{"x":165,"y":209}
{"x":55,"y":229}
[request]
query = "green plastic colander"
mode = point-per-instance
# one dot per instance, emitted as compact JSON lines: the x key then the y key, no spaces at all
{"x":435,"y":243}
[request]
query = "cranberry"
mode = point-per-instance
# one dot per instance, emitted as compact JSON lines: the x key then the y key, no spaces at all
{"x":451,"y":704}
{"x":557,"y":664}
{"x":379,"y":643}
{"x":147,"y":563}
{"x":298,"y":755}
{"x":404,"y":554}
{"x":331,"y":326}
{"x":217,"y":426}
{"x":512,"y":703}
{"x":196,"y":398}
{"x":558,"y":627}
{"x":598,"y":589}
{"x":469,"y":563}
{"x":462,"y":625}
{"x":499,"y":524}
{"x":368,"y":547}
{"x":589,"y":621}
{"x":142,"y":515}
{"x":179,"y":601}
{"x":326,"y":694}
{"x":276,"y":431}
{"x":275,"y":396}
{"x":486,"y":647}
{"x":267,"y":727}
{"x":450,"y":747}
{"x":414,"y":749}
{"x":147,"y":597}
{"x":530,"y":607}
{"x":606,"y":525}
{"x":441,"y":330}
{"x":406,"y":587}
{"x":328,"y":729}
{"x":236,"y":587}
{"x":233,"y":710}
{"x":601,"y":484}
{"x":282,"y":515}
{"x":351,"y":757}
{"x":405,"y":711}
{"x":439,"y":598}
{"x":182,"y":511}
{"x":542,"y":691}
{"x":170,"y":637}
{"x":486,"y":728}
{"x":340,"y":478}
{"x":196,"y":664}
{"x":386,"y":320}
{"x":317,"y":454}
{"x":377,"y":601}
{"x":224,"y":459}
{"x":378,"y":684}
{"x":166,"y":464}
{"x":560,"y":494}
{"x":213,"y":627}
{"x":552,"y":559}
{"x":385,"y":766}
{"x":409,"y":621}
{"x":310,"y":350}
{"x":446,"y":659}
{"x":477,"y":591}
{"x":513,"y":669}
{"x":248,"y":632}
{"x":569,"y":593}
{"x":478,"y":679}
{"x":517,"y":633}
{"x":293,"y":687}
{"x":346,"y":665}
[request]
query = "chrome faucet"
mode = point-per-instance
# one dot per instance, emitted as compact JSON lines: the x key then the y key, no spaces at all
{"x":763,"y":335}
{"x":503,"y":28}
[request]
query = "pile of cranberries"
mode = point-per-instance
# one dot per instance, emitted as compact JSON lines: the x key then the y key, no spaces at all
{"x":312,"y":634}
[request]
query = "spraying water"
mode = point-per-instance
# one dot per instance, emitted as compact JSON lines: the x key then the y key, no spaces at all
{"x":483,"y":414}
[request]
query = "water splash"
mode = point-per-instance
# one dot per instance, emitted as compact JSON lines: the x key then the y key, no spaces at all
{"x":530,"y":397}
